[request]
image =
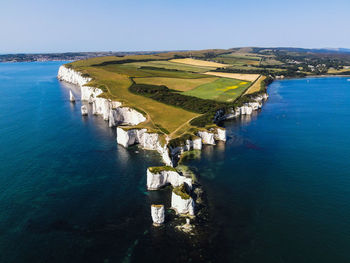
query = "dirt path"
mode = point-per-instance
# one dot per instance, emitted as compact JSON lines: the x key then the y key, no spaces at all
{"x":187,"y":122}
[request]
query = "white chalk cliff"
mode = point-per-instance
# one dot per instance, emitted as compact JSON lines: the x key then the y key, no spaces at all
{"x":156,"y":180}
{"x":72,"y":76}
{"x":182,"y":205}
{"x":207,"y":137}
{"x":246,"y":109}
{"x":157,"y":213}
{"x":149,"y":141}
{"x":100,"y":106}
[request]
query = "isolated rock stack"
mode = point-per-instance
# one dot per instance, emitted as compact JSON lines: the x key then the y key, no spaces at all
{"x":71,"y":96}
{"x":84,"y":110}
{"x":157,"y":213}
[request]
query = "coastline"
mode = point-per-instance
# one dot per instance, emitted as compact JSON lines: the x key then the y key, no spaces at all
{"x":126,"y":120}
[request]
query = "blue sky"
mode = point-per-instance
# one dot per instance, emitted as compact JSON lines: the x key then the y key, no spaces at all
{"x":129,"y":25}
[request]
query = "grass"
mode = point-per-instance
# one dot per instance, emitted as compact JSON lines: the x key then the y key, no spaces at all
{"x":172,"y":65}
{"x":239,"y":59}
{"x":223,"y":90}
{"x":336,"y":71}
{"x":149,"y":69}
{"x":179,"y":84}
{"x":182,"y":192}
{"x":158,"y":169}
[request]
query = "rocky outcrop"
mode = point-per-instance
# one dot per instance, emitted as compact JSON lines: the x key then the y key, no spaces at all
{"x":84,"y":110}
{"x":71,"y":96}
{"x":176,"y":149}
{"x":255,"y":105}
{"x":127,"y":137}
{"x":186,"y":227}
{"x":149,"y":141}
{"x":157,"y":213}
{"x":207,"y":137}
{"x":220,"y":134}
{"x":170,"y":153}
{"x":158,"y":177}
{"x":128,"y":116}
{"x":245,"y":109}
{"x":182,"y":204}
{"x":94,"y":111}
{"x":89,"y":93}
{"x":212,"y":135}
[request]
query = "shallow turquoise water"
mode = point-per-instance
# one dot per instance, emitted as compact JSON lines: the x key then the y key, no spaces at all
{"x":278,"y":191}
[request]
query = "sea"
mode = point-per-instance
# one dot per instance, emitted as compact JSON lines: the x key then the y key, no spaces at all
{"x":277,"y":191}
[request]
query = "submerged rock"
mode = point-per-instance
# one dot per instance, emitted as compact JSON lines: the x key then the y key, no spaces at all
{"x":186,"y":227}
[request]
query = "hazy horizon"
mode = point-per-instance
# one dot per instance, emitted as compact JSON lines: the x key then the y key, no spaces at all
{"x":86,"y":26}
{"x":132,"y":51}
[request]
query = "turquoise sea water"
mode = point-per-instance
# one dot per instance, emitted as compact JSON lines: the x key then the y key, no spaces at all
{"x":278,"y":191}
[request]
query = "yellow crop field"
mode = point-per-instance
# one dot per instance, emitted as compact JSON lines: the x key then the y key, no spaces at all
{"x":247,"y":77}
{"x":198,"y":62}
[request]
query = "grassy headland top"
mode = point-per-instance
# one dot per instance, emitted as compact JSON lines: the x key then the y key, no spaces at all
{"x":181,"y":91}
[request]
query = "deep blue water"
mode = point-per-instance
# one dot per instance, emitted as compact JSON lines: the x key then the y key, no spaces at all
{"x":278,"y":191}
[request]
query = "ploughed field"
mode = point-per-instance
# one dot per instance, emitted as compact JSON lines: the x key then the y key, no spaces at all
{"x":171,"y":89}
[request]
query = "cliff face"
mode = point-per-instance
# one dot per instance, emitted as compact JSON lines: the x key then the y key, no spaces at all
{"x":149,"y":141}
{"x":156,"y":180}
{"x":246,"y":109}
{"x":157,"y":213}
{"x":182,"y":205}
{"x":101,"y":106}
{"x":71,"y":76}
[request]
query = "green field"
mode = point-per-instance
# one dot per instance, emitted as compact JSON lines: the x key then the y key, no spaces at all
{"x":222,"y":89}
{"x":179,"y":84}
{"x":239,"y":59}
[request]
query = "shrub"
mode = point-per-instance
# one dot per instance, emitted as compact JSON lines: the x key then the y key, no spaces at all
{"x":158,"y":169}
{"x":174,"y":98}
{"x":182,"y":191}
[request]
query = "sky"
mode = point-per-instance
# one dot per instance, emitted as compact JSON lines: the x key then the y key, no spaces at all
{"x":134,"y":25}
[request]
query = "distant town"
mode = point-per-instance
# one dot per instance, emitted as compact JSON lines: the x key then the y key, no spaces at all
{"x":68,"y":56}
